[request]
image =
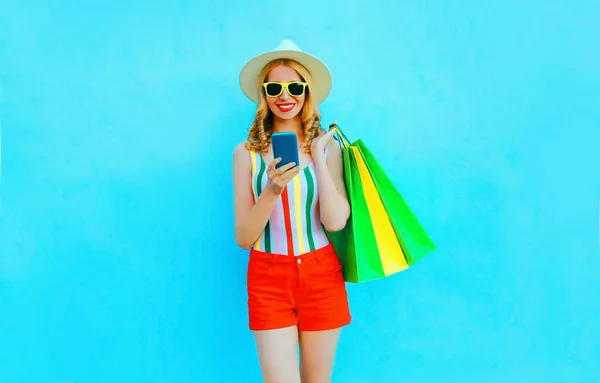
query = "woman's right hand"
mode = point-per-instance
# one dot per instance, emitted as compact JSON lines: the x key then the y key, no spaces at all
{"x":279,"y":178}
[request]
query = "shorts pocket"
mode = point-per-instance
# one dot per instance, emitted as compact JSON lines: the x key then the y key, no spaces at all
{"x":258,"y":267}
{"x":330,"y":263}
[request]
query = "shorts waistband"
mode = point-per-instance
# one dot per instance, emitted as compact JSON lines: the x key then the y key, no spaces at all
{"x":287,"y":259}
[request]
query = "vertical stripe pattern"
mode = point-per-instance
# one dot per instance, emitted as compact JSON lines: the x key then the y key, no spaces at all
{"x":309,"y":207}
{"x":288,"y":222}
{"x":294,"y":227}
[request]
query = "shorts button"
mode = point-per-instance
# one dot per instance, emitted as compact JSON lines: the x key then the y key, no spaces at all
{"x":299,"y":261}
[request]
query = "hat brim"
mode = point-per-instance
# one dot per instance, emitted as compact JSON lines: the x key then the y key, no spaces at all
{"x":319,"y":72}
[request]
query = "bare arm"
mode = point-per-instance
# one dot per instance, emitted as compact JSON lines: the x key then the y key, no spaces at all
{"x":252,"y":216}
{"x":333,"y":199}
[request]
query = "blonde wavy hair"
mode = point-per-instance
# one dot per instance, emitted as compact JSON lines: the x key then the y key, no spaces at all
{"x":259,"y":135}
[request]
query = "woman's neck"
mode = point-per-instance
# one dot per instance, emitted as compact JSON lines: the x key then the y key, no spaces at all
{"x":290,"y":125}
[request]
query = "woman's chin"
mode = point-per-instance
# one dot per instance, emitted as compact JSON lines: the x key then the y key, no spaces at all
{"x":286,"y":115}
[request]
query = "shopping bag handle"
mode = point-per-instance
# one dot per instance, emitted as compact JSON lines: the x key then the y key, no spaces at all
{"x":344,"y":142}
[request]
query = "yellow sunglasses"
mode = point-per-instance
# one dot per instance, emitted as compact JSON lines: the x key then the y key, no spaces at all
{"x":275,"y":88}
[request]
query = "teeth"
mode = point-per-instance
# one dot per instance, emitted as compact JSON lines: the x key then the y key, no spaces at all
{"x":286,"y":107}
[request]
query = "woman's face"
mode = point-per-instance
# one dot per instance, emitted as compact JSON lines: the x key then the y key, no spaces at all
{"x":285,"y":106}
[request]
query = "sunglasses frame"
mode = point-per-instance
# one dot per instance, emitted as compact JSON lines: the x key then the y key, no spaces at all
{"x":284,"y":85}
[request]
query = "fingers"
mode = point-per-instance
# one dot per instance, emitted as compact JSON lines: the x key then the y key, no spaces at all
{"x":274,"y":173}
{"x":273,"y":163}
{"x":285,"y":167}
{"x":280,"y":177}
{"x":287,"y":176}
{"x":327,"y":137}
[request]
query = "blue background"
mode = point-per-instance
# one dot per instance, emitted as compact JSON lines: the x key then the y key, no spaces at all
{"x":117,"y":253}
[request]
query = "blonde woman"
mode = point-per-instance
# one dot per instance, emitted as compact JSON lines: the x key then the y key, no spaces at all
{"x":296,"y":292}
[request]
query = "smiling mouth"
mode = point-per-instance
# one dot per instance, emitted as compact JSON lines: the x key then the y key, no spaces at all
{"x":286,"y":107}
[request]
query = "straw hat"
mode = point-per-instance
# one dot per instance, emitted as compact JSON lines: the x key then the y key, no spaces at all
{"x":286,"y":50}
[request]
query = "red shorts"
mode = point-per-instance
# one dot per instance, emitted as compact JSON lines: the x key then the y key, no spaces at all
{"x":306,"y":290}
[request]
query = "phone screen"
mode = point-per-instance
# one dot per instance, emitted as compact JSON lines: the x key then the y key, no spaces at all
{"x":285,"y":145}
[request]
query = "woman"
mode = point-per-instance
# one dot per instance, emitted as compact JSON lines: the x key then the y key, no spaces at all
{"x":296,"y":290}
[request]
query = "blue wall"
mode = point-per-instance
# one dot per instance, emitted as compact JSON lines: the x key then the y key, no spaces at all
{"x":117,"y":254}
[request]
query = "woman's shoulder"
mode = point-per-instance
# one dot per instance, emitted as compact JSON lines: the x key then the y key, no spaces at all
{"x":334,"y":147}
{"x":241,"y":148}
{"x":241,"y":154}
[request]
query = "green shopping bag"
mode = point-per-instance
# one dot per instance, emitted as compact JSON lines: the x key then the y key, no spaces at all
{"x":413,"y":238}
{"x":382,"y":235}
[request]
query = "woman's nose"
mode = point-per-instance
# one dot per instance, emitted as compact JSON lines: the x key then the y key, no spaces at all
{"x":285,"y":95}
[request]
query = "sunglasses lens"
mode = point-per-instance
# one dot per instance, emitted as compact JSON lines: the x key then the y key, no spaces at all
{"x":296,"y":89}
{"x":273,"y":89}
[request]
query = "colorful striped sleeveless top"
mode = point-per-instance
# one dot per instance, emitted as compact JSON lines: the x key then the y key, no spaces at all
{"x":294,"y":227}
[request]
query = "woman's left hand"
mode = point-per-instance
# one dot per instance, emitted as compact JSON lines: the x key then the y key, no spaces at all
{"x":320,"y":143}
